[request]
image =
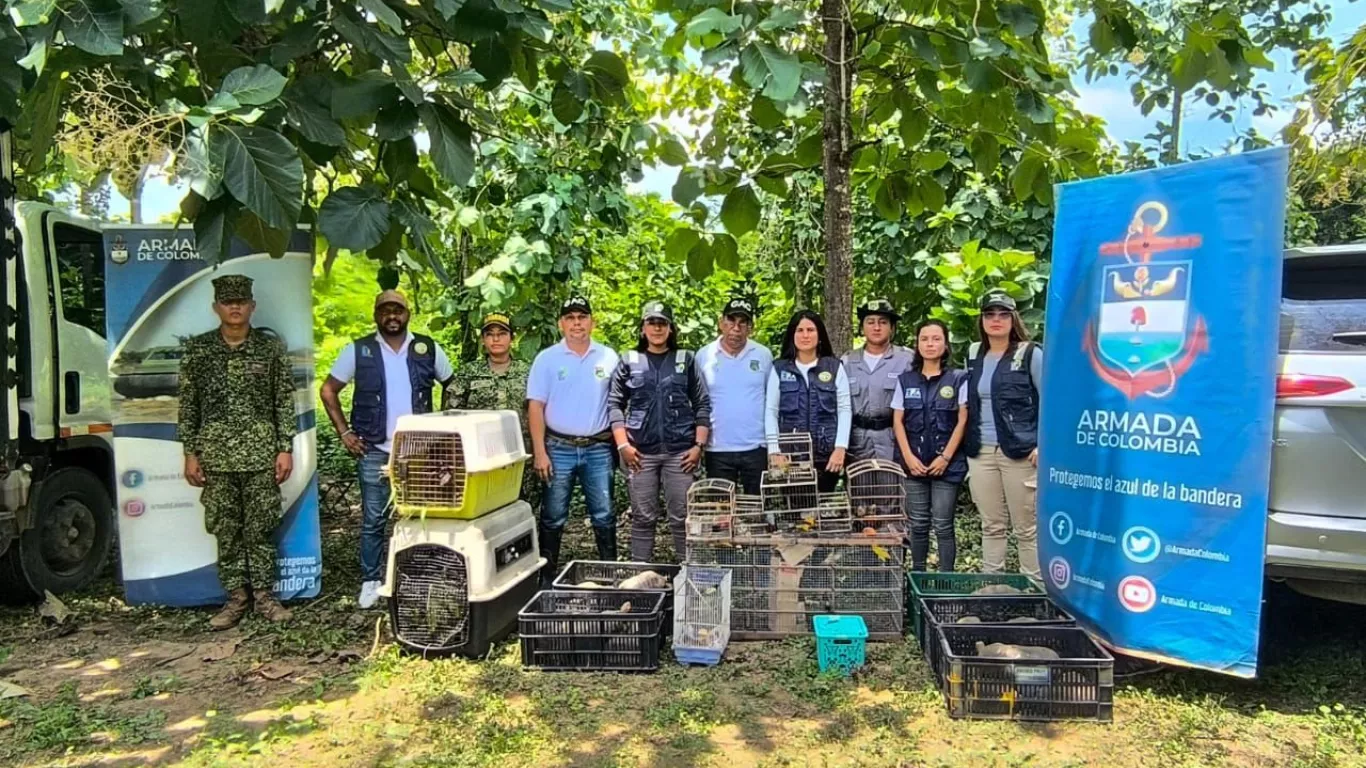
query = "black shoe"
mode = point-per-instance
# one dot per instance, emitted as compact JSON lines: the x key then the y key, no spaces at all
{"x":606,"y":539}
{"x":550,"y":550}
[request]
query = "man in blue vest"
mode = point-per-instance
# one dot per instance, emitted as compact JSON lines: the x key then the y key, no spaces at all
{"x":394,"y":371}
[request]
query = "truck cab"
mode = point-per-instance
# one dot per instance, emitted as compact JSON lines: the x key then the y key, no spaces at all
{"x":56,"y":439}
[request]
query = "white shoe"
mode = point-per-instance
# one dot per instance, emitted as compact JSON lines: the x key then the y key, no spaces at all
{"x":369,"y":594}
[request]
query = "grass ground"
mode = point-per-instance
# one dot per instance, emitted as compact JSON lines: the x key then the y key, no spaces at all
{"x":125,"y":686}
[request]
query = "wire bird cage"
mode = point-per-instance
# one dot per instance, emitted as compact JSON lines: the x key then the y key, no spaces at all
{"x":701,"y":614}
{"x":430,"y":607}
{"x":458,"y":464}
{"x":779,"y":584}
{"x":711,"y":505}
{"x":877,"y":495}
{"x":749,"y":518}
{"x":792,"y":449}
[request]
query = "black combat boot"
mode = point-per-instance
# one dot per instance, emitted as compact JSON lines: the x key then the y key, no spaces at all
{"x":550,"y":550}
{"x":606,"y":539}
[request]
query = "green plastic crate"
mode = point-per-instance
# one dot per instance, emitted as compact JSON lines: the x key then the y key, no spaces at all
{"x":919,"y":584}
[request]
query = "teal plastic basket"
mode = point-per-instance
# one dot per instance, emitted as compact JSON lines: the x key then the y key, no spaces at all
{"x":840,"y":642}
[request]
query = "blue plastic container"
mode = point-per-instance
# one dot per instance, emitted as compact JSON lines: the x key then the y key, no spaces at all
{"x":840,"y":642}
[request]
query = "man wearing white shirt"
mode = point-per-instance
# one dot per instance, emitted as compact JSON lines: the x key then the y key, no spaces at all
{"x":736,"y":370}
{"x":567,"y":409}
{"x":394,"y":371}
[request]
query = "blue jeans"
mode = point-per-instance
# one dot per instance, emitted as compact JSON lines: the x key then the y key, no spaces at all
{"x":374,"y":496}
{"x":592,"y":465}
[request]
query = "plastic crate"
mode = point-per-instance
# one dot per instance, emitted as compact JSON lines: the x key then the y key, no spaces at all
{"x":841,"y":642}
{"x":1078,"y":686}
{"x":990,"y":610}
{"x":592,"y":630}
{"x":921,"y":584}
{"x":608,"y":573}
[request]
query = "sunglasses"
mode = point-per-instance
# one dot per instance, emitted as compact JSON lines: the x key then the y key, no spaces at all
{"x":997,"y":315}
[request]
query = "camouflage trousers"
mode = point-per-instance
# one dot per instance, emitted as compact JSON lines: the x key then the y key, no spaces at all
{"x":242,"y":510}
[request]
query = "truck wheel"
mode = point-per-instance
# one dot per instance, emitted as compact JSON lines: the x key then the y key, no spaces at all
{"x":69,"y":542}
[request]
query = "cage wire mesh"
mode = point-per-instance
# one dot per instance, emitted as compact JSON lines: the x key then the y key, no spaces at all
{"x":711,"y":505}
{"x":778,"y":584}
{"x":702,"y":608}
{"x":877,"y":496}
{"x":790,"y":449}
{"x":788,"y":486}
{"x":428,"y":469}
{"x":431,"y":597}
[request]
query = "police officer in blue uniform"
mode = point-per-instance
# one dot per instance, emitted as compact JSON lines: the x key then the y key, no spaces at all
{"x":929,"y":416}
{"x":661,"y":416}
{"x":808,"y":391}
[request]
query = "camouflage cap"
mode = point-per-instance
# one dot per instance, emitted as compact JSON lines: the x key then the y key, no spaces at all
{"x":232,"y":288}
{"x":878,"y":307}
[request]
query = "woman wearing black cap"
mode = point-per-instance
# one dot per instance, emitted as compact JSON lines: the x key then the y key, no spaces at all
{"x":808,"y":391}
{"x":661,"y":418}
{"x":1002,"y":440}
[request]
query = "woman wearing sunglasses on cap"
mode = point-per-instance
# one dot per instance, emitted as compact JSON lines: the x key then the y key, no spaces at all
{"x":1004,"y":374}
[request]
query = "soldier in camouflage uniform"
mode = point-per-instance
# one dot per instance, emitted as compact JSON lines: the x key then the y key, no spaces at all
{"x":237,"y":426}
{"x":496,"y":381}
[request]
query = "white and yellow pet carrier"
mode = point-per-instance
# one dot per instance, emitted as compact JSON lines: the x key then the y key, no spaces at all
{"x":456,"y":464}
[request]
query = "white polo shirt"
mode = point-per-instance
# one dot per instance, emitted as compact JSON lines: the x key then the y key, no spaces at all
{"x":573,"y":388}
{"x":736,"y":384}
{"x":398,"y":392}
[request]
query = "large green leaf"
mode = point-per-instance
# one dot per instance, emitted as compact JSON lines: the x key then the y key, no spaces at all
{"x":565,"y":105}
{"x":982,"y":76}
{"x":1035,"y":106}
{"x":607,"y":74}
{"x":399,"y":159}
{"x":915,"y":123}
{"x":139,"y":12}
{"x":94,"y":26}
{"x":680,"y":242}
{"x":253,"y":86}
{"x":214,"y":225}
{"x":700,"y":261}
{"x":688,"y":187}
{"x":934,"y":160}
{"x":384,"y":14}
{"x":765,"y":113}
{"x":263,"y":171}
{"x":781,"y":17}
{"x":1020,"y":17}
{"x":364,"y":95}
{"x":740,"y":210}
{"x":449,"y":8}
{"x":777,"y":72}
{"x":810,"y":150}
{"x":890,"y":196}
{"x":261,"y":236}
{"x":309,"y":115}
{"x":396,"y":121}
{"x":40,"y":119}
{"x":372,"y":39}
{"x":1022,"y":180}
{"x":986,"y":153}
{"x":772,"y":183}
{"x":713,"y":20}
{"x":671,"y":152}
{"x":930,"y":193}
{"x":491,"y":59}
{"x":27,"y":13}
{"x":725,"y":252}
{"x":1189,"y":67}
{"x":452,"y":150}
{"x":354,"y":218}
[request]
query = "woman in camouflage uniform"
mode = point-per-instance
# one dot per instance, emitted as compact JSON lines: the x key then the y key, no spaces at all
{"x":496,"y":381}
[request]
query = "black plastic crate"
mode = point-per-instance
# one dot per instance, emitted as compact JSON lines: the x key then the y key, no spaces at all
{"x":991,"y":610}
{"x":610,"y":573}
{"x":592,"y":630}
{"x":920,"y":584}
{"x":1078,"y":686}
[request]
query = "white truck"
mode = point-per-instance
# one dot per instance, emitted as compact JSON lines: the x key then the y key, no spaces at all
{"x":56,"y":431}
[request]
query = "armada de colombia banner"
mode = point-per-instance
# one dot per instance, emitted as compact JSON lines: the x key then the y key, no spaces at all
{"x":160,"y":294}
{"x":1159,"y":389}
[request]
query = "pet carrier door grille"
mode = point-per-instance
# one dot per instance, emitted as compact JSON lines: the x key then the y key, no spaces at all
{"x":431,"y":597}
{"x":429,"y":469}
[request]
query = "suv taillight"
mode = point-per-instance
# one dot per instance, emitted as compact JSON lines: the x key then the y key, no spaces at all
{"x":1303,"y":385}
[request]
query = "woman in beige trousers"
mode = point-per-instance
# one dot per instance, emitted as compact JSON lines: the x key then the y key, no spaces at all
{"x":1002,"y":437}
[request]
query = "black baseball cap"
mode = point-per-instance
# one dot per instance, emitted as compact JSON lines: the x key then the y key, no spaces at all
{"x":738,"y":306}
{"x":657,"y":310}
{"x":998,"y":299}
{"x":575,"y":303}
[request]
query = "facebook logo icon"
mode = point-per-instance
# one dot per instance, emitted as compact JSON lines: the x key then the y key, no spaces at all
{"x":1060,"y":527}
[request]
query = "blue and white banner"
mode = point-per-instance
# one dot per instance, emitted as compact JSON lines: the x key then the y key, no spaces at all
{"x":160,"y":294}
{"x":1159,"y":385}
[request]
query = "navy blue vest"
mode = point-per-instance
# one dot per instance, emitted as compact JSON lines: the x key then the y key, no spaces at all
{"x":810,"y":403}
{"x":659,"y":412}
{"x":1014,"y":403}
{"x":369,"y":413}
{"x":930,"y":414}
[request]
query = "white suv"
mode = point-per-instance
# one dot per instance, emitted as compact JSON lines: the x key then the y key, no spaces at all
{"x":1316,"y":532}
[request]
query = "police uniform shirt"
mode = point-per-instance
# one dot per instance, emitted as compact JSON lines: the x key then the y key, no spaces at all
{"x":573,"y":388}
{"x":737,"y":384}
{"x":398,"y":390}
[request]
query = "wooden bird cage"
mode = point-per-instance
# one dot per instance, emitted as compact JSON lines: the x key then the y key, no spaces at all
{"x":711,"y":505}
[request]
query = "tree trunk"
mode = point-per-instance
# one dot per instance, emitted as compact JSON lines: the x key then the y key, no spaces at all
{"x":839,"y":73}
{"x":1174,"y":151}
